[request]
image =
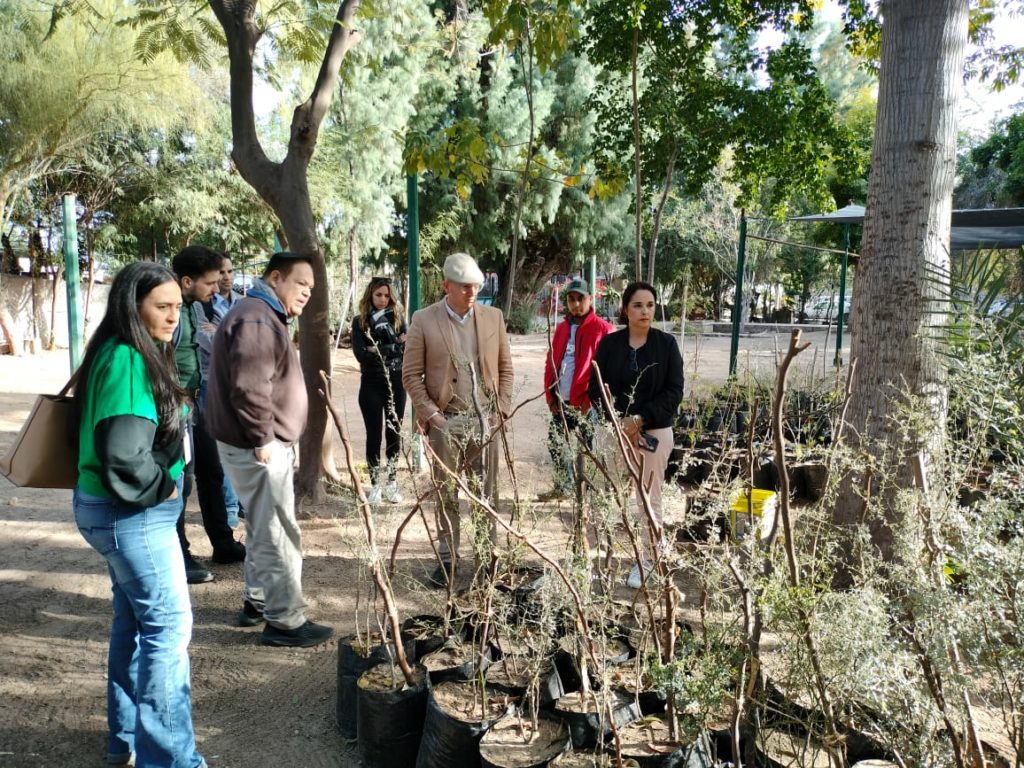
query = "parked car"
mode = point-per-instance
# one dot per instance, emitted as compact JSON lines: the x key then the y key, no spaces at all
{"x":825,"y":309}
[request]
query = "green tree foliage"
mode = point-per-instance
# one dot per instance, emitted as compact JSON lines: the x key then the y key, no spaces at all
{"x":65,"y":86}
{"x":358,"y":173}
{"x":185,"y":192}
{"x":852,"y":85}
{"x":293,"y":31}
{"x":476,"y":152}
{"x":698,"y":241}
{"x":705,"y":86}
{"x":992,"y":173}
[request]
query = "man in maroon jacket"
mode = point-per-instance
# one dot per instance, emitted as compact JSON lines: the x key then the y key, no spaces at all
{"x":566,"y":377}
{"x":257,"y":410}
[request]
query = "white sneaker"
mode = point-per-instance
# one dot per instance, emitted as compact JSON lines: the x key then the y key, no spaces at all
{"x":392,"y":494}
{"x":633,"y":580}
{"x":373,"y":495}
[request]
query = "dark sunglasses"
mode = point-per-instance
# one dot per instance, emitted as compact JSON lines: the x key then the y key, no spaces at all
{"x":380,"y":280}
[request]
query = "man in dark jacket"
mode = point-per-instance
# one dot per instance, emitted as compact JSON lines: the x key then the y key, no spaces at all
{"x":566,"y":377}
{"x":257,"y":411}
{"x":198,"y":269}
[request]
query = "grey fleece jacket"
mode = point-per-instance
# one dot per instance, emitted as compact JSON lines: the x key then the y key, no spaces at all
{"x":256,"y":392}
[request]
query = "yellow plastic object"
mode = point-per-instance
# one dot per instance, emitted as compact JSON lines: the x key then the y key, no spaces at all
{"x":757,"y":520}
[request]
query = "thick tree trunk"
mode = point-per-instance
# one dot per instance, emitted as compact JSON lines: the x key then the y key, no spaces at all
{"x":897,"y":306}
{"x":285,"y":188}
{"x":314,"y":335}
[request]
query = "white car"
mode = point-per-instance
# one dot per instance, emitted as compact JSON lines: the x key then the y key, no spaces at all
{"x":826,"y":308}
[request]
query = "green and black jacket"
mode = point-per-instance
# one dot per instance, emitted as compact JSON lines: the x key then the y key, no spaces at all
{"x":118,"y":456}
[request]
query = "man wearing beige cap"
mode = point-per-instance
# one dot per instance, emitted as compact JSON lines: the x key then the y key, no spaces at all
{"x":457,"y":371}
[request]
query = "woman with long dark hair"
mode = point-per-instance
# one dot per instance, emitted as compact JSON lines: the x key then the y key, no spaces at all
{"x":378,"y":342}
{"x":132,"y":452}
{"x":643,"y":369}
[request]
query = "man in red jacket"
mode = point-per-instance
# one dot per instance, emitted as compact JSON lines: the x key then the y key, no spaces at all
{"x":566,"y":376}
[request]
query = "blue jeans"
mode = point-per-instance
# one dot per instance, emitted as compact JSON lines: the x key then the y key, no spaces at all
{"x":231,"y":503}
{"x":149,"y":695}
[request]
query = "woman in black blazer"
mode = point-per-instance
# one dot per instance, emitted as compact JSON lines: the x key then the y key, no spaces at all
{"x":643,"y":369}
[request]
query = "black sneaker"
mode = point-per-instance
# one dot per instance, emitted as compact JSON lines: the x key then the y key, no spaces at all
{"x":441,"y":575}
{"x":555,"y":494}
{"x":250,"y":615}
{"x":305,"y":636}
{"x":232,"y":553}
{"x":194,"y":572}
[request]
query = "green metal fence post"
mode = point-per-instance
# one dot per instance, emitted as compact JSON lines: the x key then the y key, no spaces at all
{"x":412,"y":225}
{"x":413,"y":228}
{"x":72,"y":281}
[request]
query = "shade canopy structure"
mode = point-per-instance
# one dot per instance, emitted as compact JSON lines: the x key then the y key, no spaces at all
{"x":972,"y":228}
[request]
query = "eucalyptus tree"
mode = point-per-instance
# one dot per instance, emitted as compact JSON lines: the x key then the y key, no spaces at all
{"x":897,"y":301}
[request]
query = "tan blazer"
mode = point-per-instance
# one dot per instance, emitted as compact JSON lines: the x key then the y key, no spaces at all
{"x":429,"y":370}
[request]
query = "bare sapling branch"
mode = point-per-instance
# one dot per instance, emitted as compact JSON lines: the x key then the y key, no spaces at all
{"x":376,"y":568}
{"x":635,"y":469}
{"x":577,"y":599}
{"x":834,"y":740}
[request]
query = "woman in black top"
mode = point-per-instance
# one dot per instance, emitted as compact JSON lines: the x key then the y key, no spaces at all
{"x":643,"y":369}
{"x":378,"y":341}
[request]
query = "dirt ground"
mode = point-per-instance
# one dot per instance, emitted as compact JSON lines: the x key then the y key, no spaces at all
{"x":253,"y":706}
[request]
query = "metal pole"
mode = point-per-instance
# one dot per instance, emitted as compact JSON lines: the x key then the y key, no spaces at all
{"x":842,"y":296}
{"x":413,"y":228}
{"x":737,"y":305}
{"x":72,"y":282}
{"x":412,"y":225}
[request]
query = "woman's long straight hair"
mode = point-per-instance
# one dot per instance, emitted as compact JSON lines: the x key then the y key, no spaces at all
{"x":123,"y":322}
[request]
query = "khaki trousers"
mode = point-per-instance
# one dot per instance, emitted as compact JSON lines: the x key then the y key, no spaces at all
{"x":273,"y":541}
{"x":458,"y":445}
{"x":653,"y":466}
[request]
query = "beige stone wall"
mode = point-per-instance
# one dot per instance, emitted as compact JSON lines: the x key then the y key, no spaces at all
{"x":27,"y":311}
